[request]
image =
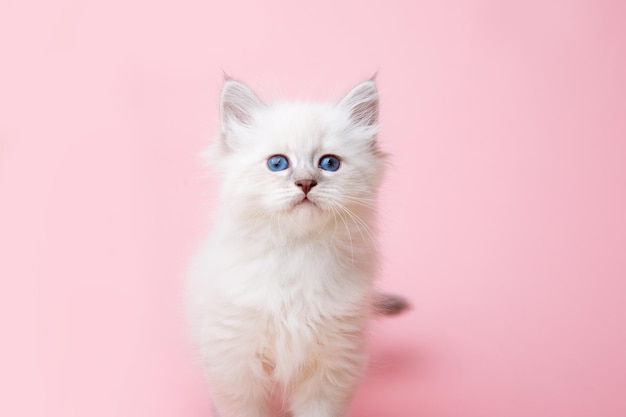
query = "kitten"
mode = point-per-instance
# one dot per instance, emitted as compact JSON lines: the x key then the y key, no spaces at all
{"x":280,"y":295}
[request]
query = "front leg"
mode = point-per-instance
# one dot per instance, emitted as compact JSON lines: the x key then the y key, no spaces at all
{"x":239,"y":392}
{"x":326,"y":385}
{"x":239,"y":377}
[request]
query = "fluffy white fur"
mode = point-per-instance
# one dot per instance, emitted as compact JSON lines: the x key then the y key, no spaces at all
{"x":280,"y":295}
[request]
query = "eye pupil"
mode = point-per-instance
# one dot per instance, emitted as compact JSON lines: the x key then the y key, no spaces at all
{"x":329,"y":163}
{"x":277,"y":163}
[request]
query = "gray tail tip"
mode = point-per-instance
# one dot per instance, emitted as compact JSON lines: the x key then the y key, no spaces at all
{"x":390,"y":304}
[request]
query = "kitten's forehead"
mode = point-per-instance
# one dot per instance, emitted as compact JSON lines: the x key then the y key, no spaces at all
{"x":296,"y":125}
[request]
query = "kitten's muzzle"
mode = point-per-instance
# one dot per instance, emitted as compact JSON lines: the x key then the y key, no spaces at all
{"x":306,"y":185}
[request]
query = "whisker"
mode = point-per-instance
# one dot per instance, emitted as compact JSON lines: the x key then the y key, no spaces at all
{"x":364,"y":203}
{"x":361,"y":224}
{"x":356,"y":224}
{"x":349,"y":236}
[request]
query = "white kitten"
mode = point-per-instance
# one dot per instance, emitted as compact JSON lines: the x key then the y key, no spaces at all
{"x":280,"y":295}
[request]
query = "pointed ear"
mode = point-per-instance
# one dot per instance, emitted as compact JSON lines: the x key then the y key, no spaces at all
{"x":237,"y":105}
{"x":362,"y":103}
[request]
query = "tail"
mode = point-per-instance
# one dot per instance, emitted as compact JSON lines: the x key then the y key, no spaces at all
{"x":390,"y":304}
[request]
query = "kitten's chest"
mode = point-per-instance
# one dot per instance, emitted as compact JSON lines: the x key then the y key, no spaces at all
{"x":298,"y":279}
{"x":287,"y":302}
{"x":288,"y":264}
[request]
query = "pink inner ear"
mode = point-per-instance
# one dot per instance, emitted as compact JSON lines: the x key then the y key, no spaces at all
{"x":366,"y":113}
{"x":239,"y":114}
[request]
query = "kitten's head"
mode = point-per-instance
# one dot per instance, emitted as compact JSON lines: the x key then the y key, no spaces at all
{"x":307,"y":163}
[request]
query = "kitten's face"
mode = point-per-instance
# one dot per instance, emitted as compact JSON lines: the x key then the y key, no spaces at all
{"x":310,"y":163}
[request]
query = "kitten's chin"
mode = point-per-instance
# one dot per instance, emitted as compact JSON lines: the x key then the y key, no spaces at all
{"x":305,"y":208}
{"x":307,"y":213}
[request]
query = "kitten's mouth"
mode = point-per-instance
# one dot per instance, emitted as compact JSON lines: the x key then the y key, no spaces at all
{"x":305,"y":202}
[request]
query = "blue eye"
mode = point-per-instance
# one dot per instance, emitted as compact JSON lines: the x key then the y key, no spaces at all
{"x":277,"y":163}
{"x":329,"y":163}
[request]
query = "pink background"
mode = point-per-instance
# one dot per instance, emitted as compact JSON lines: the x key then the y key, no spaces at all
{"x":503,"y":216}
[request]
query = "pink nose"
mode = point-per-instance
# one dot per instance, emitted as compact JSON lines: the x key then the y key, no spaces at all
{"x":306,"y":185}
